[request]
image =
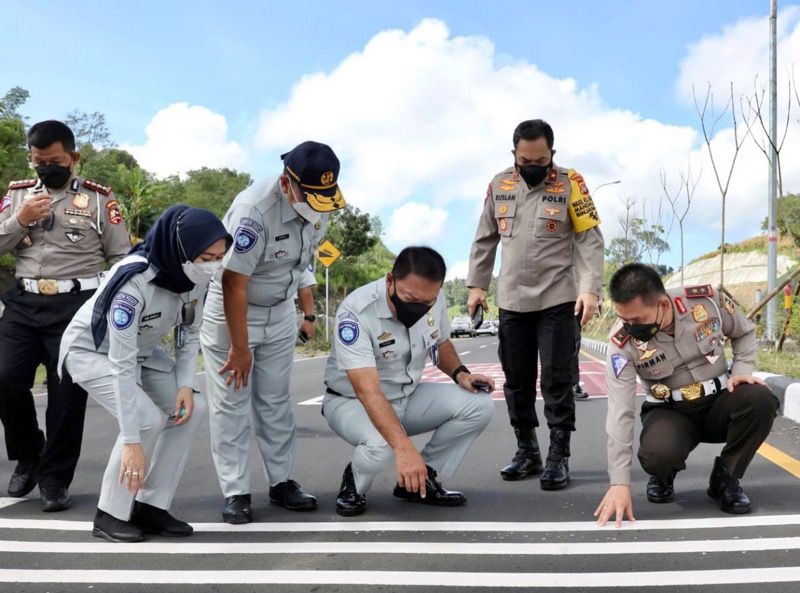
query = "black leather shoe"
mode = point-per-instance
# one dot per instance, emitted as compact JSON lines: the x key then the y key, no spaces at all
{"x":152,"y":519}
{"x":23,"y":480}
{"x":659,"y":491}
{"x":237,"y":509}
{"x":115,"y":530}
{"x":289,"y":495}
{"x":726,"y":489}
{"x":556,"y":471}
{"x":349,"y":502}
{"x":435,"y":494}
{"x":527,"y":460}
{"x":55,"y":499}
{"x":578,"y":392}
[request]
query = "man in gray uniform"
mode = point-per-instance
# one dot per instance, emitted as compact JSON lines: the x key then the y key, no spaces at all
{"x":62,"y":230}
{"x":386,"y":332}
{"x":674,"y":342}
{"x":249,"y":324}
{"x":551,"y":272}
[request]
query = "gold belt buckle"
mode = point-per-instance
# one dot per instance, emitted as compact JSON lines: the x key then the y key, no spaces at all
{"x":660,"y":391}
{"x":693,"y":391}
{"x":47,"y":287}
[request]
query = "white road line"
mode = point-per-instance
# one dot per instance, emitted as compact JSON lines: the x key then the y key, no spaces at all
{"x":732,"y":522}
{"x":7,"y":502}
{"x":409,"y":548}
{"x":786,"y":574}
{"x":314,"y":401}
{"x":465,"y":352}
{"x":484,"y":345}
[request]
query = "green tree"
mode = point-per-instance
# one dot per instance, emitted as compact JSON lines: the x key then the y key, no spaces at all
{"x":13,"y":149}
{"x":788,"y":217}
{"x":351,"y":232}
{"x":213,"y":189}
{"x":638,"y":240}
{"x":90,"y":130}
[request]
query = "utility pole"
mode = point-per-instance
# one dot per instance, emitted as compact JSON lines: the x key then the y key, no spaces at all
{"x":772,"y":243}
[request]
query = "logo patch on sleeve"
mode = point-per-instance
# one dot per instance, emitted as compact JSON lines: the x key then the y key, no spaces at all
{"x":348,"y":332}
{"x":244,"y":240}
{"x":244,"y":221}
{"x":618,"y":362}
{"x":5,"y":203}
{"x":121,"y":315}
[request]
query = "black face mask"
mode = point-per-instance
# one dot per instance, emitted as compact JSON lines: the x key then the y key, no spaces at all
{"x":533,"y":174}
{"x":642,"y":331}
{"x":54,"y":176}
{"x":408,"y":313}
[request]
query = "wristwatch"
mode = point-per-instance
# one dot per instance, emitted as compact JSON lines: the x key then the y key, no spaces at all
{"x":311,"y":318}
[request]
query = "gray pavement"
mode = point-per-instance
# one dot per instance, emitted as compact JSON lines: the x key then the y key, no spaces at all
{"x":510,"y":534}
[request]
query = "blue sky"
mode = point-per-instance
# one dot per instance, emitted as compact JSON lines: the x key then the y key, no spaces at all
{"x":419,"y":99}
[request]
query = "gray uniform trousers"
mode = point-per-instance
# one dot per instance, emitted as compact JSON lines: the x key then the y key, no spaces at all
{"x":271,"y":332}
{"x":455,"y":416}
{"x":166,"y":450}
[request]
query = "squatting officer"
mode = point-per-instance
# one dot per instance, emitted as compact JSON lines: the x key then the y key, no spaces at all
{"x":62,"y":230}
{"x":674,"y":342}
{"x":249,"y":330}
{"x":552,"y":270}
{"x":386,"y":332}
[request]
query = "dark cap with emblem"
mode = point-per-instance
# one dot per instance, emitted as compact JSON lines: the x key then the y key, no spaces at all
{"x":315,"y":168}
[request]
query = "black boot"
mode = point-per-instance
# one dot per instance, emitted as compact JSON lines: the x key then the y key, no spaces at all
{"x":527,"y":460}
{"x":556,"y":472}
{"x":660,"y":491}
{"x":726,"y":488}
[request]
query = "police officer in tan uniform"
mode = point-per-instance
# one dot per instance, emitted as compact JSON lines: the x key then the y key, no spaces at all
{"x":673,"y":341}
{"x":62,"y":230}
{"x":551,"y":272}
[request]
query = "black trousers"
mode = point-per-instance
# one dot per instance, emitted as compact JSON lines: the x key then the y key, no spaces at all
{"x":547,"y":335}
{"x":576,"y":366}
{"x":30,"y":334}
{"x":741,"y":419}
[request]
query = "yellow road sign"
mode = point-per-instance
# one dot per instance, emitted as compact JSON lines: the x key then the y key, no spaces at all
{"x":327,"y":254}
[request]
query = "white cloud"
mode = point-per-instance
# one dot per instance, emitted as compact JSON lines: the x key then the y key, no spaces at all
{"x":181,"y":138}
{"x":415,"y":224}
{"x":460,"y":269}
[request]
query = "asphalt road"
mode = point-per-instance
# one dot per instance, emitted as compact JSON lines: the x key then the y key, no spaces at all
{"x":510,"y":534}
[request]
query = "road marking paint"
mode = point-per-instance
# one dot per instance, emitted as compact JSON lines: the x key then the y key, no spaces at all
{"x":484,"y":345}
{"x":465,"y":352}
{"x":7,"y":501}
{"x":732,"y":522}
{"x":781,"y":459}
{"x":409,"y":548}
{"x":314,"y":401}
{"x":784,"y":574}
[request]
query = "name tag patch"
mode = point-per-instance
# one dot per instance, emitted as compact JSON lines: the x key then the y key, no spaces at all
{"x":151,"y":316}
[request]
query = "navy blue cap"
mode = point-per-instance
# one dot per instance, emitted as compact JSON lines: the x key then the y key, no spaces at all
{"x":315,"y":168}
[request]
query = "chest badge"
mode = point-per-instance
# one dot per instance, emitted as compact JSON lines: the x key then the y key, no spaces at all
{"x":645,"y":353}
{"x":502,"y":209}
{"x":81,"y":201}
{"x":503,"y":224}
{"x":318,"y":225}
{"x":699,"y":313}
{"x":712,"y":358}
{"x":552,"y":211}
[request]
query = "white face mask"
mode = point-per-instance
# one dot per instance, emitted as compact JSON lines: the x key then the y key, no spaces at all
{"x":303,"y":209}
{"x":203,"y":273}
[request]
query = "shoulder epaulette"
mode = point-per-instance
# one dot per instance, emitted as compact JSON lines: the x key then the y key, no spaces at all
{"x":703,"y":290}
{"x":98,"y":187}
{"x":620,"y":337}
{"x":22,"y":183}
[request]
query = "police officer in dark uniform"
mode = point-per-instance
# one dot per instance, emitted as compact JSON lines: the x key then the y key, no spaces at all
{"x":672,"y":341}
{"x":62,"y":230}
{"x":551,"y":272}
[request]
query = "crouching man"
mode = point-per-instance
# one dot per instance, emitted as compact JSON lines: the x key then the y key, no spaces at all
{"x":386,"y":331}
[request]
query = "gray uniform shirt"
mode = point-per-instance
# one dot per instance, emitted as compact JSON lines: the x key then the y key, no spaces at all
{"x":87,"y":231}
{"x":141,"y":315}
{"x":548,"y":232}
{"x":368,"y":336}
{"x":695,"y":353}
{"x":271,"y":243}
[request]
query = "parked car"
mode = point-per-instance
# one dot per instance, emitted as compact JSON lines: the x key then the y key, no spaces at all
{"x":461,"y":326}
{"x":488,"y":328}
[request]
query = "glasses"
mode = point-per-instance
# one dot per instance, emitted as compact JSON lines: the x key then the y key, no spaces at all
{"x":187,"y":313}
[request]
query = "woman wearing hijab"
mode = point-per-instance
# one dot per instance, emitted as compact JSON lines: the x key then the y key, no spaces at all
{"x":111,"y":348}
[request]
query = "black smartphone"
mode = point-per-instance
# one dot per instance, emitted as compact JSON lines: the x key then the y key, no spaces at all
{"x":482,"y":386}
{"x":303,"y":336}
{"x":477,"y":319}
